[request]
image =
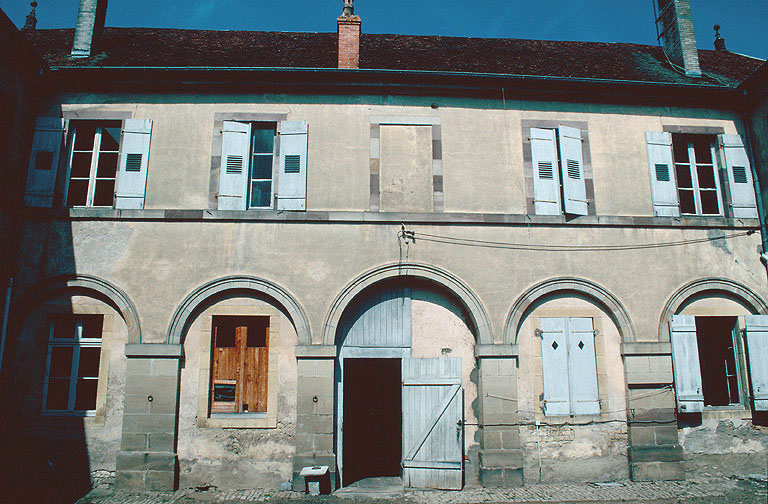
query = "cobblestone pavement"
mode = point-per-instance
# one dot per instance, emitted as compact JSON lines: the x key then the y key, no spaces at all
{"x":703,"y":491}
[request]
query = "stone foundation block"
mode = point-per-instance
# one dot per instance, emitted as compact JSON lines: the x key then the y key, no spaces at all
{"x":657,"y":471}
{"x":498,"y":477}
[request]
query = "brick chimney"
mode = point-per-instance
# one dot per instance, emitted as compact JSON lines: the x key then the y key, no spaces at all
{"x":89,"y":28}
{"x":675,"y":25}
{"x":348,"y":29}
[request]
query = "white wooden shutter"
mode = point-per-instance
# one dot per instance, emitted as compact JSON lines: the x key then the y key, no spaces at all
{"x":44,"y":161}
{"x":546,"y":181}
{"x":235,"y":160}
{"x":662,"y":172}
{"x":433,"y":430}
{"x":292,"y":178}
{"x":685,"y":362}
{"x":740,"y":181}
{"x":554,"y":358}
{"x":572,"y":164}
{"x":134,"y":160}
{"x":757,"y":348}
{"x":582,"y":367}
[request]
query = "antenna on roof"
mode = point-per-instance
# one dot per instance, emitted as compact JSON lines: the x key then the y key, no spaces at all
{"x":31,"y":21}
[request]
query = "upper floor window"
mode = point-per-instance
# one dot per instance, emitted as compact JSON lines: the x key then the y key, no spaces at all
{"x":698,"y":187}
{"x":93,"y":163}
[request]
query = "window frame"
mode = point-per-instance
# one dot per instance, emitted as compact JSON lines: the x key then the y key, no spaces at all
{"x":739,"y":345}
{"x":100,"y":125}
{"x":251,"y":165}
{"x":693,"y":171}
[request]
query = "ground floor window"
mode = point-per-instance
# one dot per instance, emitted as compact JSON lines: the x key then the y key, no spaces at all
{"x":718,"y":344}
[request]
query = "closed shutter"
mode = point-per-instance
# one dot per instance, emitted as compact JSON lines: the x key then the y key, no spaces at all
{"x":685,"y":362}
{"x":44,"y":161}
{"x":292,"y":178}
{"x":235,"y":156}
{"x":546,"y":182}
{"x":757,"y":349}
{"x":554,"y":358}
{"x":662,"y":172}
{"x":582,"y":367}
{"x":740,"y":182}
{"x":572,"y":164}
{"x":134,"y":159}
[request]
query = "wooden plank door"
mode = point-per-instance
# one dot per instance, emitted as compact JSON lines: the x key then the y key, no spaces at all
{"x":433,"y":430}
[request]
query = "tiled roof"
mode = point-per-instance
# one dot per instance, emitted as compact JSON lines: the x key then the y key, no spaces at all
{"x":164,"y":47}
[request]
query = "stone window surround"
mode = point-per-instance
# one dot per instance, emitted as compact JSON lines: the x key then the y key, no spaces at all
{"x":375,"y":156}
{"x":526,"y":125}
{"x":266,"y":420}
{"x":218,"y":124}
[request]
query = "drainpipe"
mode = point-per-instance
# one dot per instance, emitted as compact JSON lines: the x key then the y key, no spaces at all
{"x":760,"y":208}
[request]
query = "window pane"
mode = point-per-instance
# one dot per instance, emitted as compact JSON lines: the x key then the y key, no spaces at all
{"x":257,"y":333}
{"x":261,"y":193}
{"x":78,"y":192}
{"x":61,"y":362}
{"x":81,"y":165}
{"x":683,"y":173}
{"x":105,"y":189}
{"x":687,"y":205}
{"x":89,"y":362}
{"x":58,"y":394}
{"x":262,"y":167}
{"x":709,"y":202}
{"x":85,"y":398}
{"x":680,"y":146}
{"x":702,"y":149}
{"x":223,"y":392}
{"x":706,"y":177}
{"x":107,"y":165}
{"x":263,"y":139}
{"x":225,"y":336}
{"x":110,"y":139}
{"x":63,"y":328}
{"x":84,"y":137}
{"x":92,"y":325}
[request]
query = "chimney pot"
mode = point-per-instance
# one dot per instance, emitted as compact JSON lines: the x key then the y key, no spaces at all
{"x":719,"y":40}
{"x":675,"y":24}
{"x":90,"y":26}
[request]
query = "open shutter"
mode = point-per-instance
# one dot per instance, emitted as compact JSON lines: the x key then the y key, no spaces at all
{"x":757,"y":348}
{"x":582,"y":367}
{"x":292,"y":178}
{"x":134,"y":159}
{"x":433,"y":431}
{"x":572,"y":163}
{"x":685,"y":362}
{"x":546,"y":182}
{"x":44,"y":161}
{"x":662,"y":172}
{"x":235,"y":157}
{"x":740,"y":181}
{"x":554,"y":356}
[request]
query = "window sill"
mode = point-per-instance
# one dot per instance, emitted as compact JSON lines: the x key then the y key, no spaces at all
{"x":733,"y":412}
{"x":266,"y":420}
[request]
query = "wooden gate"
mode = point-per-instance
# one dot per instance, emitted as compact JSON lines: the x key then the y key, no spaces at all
{"x":433,"y":430}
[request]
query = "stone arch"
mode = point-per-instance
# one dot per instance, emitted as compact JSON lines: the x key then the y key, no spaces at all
{"x":182,"y":316}
{"x":444,"y":279}
{"x":92,"y":286}
{"x":712,"y":286}
{"x":579,"y":286}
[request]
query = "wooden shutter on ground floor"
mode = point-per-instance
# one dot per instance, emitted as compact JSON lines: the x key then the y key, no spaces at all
{"x":757,"y":349}
{"x":133,"y":165}
{"x":546,"y":178}
{"x":292,"y":176}
{"x":740,"y":183}
{"x":554,"y":359}
{"x":235,"y":163}
{"x":44,"y":161}
{"x":572,"y":167}
{"x":380,"y":320}
{"x":662,"y":172}
{"x":582,"y":367}
{"x":685,"y":363}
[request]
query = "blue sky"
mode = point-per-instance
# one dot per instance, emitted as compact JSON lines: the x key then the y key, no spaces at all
{"x":743,"y":21}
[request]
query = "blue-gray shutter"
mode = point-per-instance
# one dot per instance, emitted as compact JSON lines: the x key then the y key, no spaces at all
{"x":292,"y":176}
{"x":546,"y":177}
{"x":757,"y":349}
{"x":134,"y":161}
{"x":235,"y":163}
{"x":554,"y":359}
{"x":662,"y":172}
{"x":685,"y":363}
{"x":572,"y":165}
{"x":582,"y":367}
{"x":44,"y":161}
{"x":743,"y":202}
{"x":382,"y":320}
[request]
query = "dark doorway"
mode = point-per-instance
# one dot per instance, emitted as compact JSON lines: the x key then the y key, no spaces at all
{"x":372,"y":424}
{"x":717,"y":356}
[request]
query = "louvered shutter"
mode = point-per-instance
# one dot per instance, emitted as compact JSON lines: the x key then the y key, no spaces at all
{"x":44,"y":161}
{"x":685,"y":362}
{"x":757,"y":348}
{"x":554,"y":359}
{"x":582,"y":367}
{"x":662,"y":172}
{"x":292,"y":178}
{"x":740,"y":181}
{"x":134,"y":160}
{"x":546,"y":182}
{"x":572,"y":165}
{"x":235,"y":157}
